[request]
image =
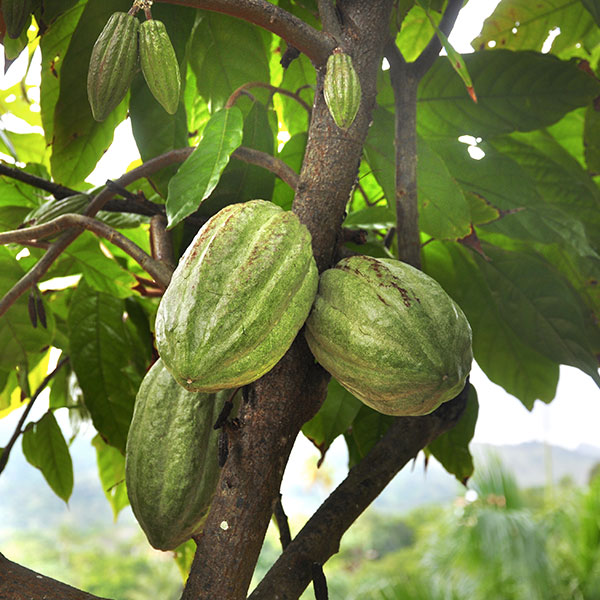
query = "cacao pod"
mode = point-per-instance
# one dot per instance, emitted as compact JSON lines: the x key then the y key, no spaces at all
{"x":55,"y":208}
{"x":113,"y":64}
{"x":390,"y":335}
{"x":341,"y":89}
{"x":238,"y":297}
{"x":159,"y":64}
{"x":15,"y":13}
{"x":171,"y":459}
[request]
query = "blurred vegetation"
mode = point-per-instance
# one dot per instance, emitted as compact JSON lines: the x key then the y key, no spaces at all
{"x":494,"y":542}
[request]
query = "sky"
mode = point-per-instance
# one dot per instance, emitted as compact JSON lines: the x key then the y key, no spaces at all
{"x":570,"y":420}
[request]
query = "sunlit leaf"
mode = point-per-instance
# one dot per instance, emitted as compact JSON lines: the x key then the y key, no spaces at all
{"x":111,"y":469}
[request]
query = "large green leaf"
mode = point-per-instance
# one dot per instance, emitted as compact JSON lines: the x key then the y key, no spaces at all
{"x":559,"y":178}
{"x":292,"y":154}
{"x":78,"y":140}
{"x":96,"y":332}
{"x":240,"y":180}
{"x":226,"y":53}
{"x":503,"y":355}
{"x":21,"y":342}
{"x":539,"y":305}
{"x":45,"y":448}
{"x":101,"y":272}
{"x":53,"y":44}
{"x":452,"y":448}
{"x":516,"y":91}
{"x":415,"y":33}
{"x":300,"y":78}
{"x":593,"y":7}
{"x":524,"y":25}
{"x":200,"y":173}
{"x":591,"y":140}
{"x":111,"y":469}
{"x":368,"y":427}
{"x":156,"y":131}
{"x":334,"y":417}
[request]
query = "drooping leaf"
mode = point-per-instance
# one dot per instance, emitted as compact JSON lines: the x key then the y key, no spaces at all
{"x":524,"y":25}
{"x":200,"y":173}
{"x":240,"y":180}
{"x":45,"y":448}
{"x":452,"y":448}
{"x":591,"y":139}
{"x":516,"y":91}
{"x":78,"y":140}
{"x":415,"y":33}
{"x":111,"y":469}
{"x":226,"y":53}
{"x":96,"y":329}
{"x":334,"y":417}
{"x":501,"y":353}
{"x":368,"y":428}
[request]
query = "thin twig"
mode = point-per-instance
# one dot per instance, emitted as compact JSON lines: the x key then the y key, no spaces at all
{"x":285,"y":537}
{"x":429,"y":55}
{"x":19,"y":428}
{"x":159,"y":270}
{"x":57,"y":190}
{"x":252,"y":84}
{"x":271,"y":163}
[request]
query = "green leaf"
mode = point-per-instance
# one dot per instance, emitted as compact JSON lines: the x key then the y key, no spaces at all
{"x":300,"y":78}
{"x":78,"y":140}
{"x":593,"y":6}
{"x":515,"y":91}
{"x":111,"y":469}
{"x":226,"y":53}
{"x":334,"y":417}
{"x":504,"y":356}
{"x":368,"y":427}
{"x":452,"y":448}
{"x":443,"y":209}
{"x":591,"y":139}
{"x":21,"y":342}
{"x":200,"y":173}
{"x":373,"y":217}
{"x":45,"y":448}
{"x":415,"y":33}
{"x":156,"y":131}
{"x":240,"y":180}
{"x":101,"y":272}
{"x":96,"y":329}
{"x":524,"y":25}
{"x":54,"y":44}
{"x":25,"y":147}
{"x":292,"y":154}
{"x":539,"y":305}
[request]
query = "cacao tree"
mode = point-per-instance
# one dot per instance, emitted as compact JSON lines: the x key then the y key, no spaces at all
{"x":481,"y":170}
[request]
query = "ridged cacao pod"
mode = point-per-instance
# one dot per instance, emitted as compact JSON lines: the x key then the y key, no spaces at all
{"x":171,"y":461}
{"x":238,"y":297}
{"x":390,"y":335}
{"x":159,"y":64}
{"x":341,"y":89}
{"x":15,"y":13}
{"x":55,"y":208}
{"x":113,"y":64}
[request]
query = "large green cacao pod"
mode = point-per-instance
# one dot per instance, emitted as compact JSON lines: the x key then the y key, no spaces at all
{"x":159,"y":64}
{"x":15,"y":14}
{"x":113,"y":64}
{"x":341,"y":89}
{"x":390,"y":335}
{"x":171,"y":466}
{"x":237,"y":299}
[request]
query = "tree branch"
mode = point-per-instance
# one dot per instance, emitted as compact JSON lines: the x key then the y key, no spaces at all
{"x":271,"y":163}
{"x":295,"y":31}
{"x":329,"y":18}
{"x":161,"y":272}
{"x":252,"y":84}
{"x":319,"y":539}
{"x":57,"y":190}
{"x":405,"y":85}
{"x":20,"y":583}
{"x":426,"y":59}
{"x":19,"y":428}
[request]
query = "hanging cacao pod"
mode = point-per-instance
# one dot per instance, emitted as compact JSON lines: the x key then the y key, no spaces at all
{"x":341,"y":89}
{"x":113,"y":64}
{"x":171,"y":460}
{"x":15,"y":14}
{"x":237,"y":299}
{"x":390,"y":335}
{"x":159,"y":64}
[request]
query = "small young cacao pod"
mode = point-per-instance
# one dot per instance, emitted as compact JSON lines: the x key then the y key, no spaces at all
{"x":113,"y":64}
{"x":15,"y":13}
{"x":341,"y":89}
{"x":159,"y":64}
